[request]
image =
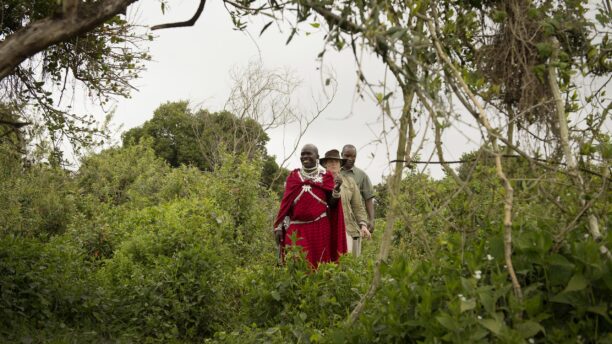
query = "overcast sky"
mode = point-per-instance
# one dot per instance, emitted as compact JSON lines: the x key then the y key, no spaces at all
{"x":194,"y":64}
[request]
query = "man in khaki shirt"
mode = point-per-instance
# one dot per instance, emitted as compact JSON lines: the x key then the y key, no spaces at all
{"x":349,"y":153}
{"x":355,"y":218}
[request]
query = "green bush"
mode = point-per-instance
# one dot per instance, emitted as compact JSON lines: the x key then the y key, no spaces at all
{"x":47,"y":287}
{"x":466,"y":296}
{"x":36,"y":201}
{"x":170,"y":272}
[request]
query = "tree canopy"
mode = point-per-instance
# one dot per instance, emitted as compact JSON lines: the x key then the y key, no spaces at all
{"x":201,"y":138}
{"x":50,"y":48}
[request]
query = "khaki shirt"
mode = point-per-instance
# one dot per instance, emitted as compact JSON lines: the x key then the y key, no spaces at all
{"x":352,"y":206}
{"x":362,"y":180}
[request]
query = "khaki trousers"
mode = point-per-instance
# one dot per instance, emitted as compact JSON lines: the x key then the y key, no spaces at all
{"x":353,"y":245}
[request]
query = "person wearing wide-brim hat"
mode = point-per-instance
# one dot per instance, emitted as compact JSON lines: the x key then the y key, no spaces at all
{"x":355,"y":216}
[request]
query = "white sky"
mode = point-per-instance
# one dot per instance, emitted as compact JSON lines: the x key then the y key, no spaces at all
{"x":194,"y":64}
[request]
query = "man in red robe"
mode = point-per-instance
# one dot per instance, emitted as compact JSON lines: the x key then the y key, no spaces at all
{"x":312,"y":203}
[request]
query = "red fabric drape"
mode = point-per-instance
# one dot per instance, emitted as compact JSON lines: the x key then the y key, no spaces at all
{"x":323,"y":240}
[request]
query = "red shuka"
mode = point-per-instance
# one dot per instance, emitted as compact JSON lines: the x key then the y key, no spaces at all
{"x":324,"y":240}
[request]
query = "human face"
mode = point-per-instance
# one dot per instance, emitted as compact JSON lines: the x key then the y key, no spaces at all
{"x":350,"y":154}
{"x":333,"y":166}
{"x":309,"y":157}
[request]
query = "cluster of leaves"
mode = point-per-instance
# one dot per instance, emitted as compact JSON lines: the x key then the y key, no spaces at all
{"x":103,"y":62}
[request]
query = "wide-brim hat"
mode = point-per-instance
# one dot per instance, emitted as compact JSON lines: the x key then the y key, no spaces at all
{"x":333,"y":154}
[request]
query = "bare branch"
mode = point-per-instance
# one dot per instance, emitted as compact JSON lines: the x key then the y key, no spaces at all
{"x":13,"y":124}
{"x":189,"y":22}
{"x":493,"y":135}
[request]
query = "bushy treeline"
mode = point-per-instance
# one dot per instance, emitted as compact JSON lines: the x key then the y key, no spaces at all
{"x":127,"y":248}
{"x":130,"y":249}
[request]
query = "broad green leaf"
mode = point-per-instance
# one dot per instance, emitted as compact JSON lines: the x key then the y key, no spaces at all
{"x":578,"y":282}
{"x":492,"y":325}
{"x":448,"y":322}
{"x":478,"y":334}
{"x":529,"y":329}
{"x":563,"y":297}
{"x":601,"y":309}
{"x":275,"y":295}
{"x":560,"y":260}
{"x":487,"y":300}
{"x":467,"y":305}
{"x":468,"y":284}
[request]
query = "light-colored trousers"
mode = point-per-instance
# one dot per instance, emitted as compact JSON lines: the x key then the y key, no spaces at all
{"x":353,"y":245}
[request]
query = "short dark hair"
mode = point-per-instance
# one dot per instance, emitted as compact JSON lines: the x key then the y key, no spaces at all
{"x":349,"y":146}
{"x":313,"y":146}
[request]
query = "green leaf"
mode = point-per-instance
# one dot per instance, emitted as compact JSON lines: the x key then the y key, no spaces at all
{"x":601,"y":309}
{"x":478,"y":334}
{"x":468,"y":284}
{"x":315,"y":25}
{"x":606,"y":150}
{"x":563,"y":298}
{"x":379,"y":97}
{"x":275,"y":295}
{"x":448,"y":322}
{"x":499,"y":16}
{"x":293,"y":31}
{"x":467,"y":305}
{"x":491,"y":325}
{"x":529,"y":329}
{"x":265,"y":28}
{"x":487,"y":300}
{"x":560,"y":260}
{"x":578,"y":282}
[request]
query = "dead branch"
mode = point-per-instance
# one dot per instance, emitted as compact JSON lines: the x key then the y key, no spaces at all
{"x":15,"y":125}
{"x":189,"y":22}
{"x":593,"y":224}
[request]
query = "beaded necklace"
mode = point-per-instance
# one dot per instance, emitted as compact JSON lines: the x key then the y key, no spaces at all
{"x":314,"y":173}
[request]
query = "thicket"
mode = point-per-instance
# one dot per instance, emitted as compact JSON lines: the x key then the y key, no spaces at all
{"x":127,"y":249}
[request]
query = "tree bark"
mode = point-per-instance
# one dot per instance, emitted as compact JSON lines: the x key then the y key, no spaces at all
{"x":403,"y":152}
{"x":41,"y":34}
{"x":493,"y":134}
{"x":564,"y":138}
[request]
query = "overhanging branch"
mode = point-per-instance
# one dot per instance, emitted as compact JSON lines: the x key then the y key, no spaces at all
{"x":43,"y":33}
{"x":189,"y":22}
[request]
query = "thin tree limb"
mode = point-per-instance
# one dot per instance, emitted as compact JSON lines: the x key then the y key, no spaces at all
{"x":492,"y":132}
{"x":189,"y":22}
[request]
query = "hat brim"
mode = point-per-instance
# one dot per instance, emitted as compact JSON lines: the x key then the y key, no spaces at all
{"x":322,"y":161}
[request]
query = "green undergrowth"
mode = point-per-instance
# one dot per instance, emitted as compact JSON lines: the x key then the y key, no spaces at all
{"x":183,"y":256}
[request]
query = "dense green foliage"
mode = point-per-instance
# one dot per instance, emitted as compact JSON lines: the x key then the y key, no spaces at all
{"x":156,"y":254}
{"x":102,"y":61}
{"x":200,"y":139}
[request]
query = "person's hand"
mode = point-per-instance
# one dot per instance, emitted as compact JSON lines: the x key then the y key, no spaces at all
{"x":371,"y":226}
{"x":278,"y":236}
{"x":338,"y":181}
{"x":365,"y":233}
